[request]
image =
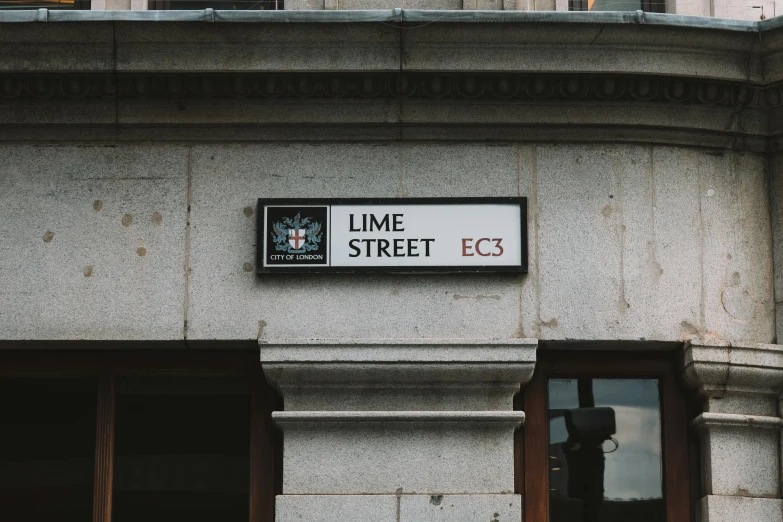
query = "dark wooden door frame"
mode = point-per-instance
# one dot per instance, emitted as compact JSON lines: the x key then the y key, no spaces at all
{"x":532,"y":443}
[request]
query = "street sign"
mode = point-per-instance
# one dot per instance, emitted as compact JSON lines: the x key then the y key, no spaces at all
{"x":392,"y":235}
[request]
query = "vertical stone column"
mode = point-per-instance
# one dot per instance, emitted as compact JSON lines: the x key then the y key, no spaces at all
{"x":739,"y":430}
{"x":776,"y":208}
{"x":398,"y":430}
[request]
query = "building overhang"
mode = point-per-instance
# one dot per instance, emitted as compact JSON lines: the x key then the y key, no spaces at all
{"x":389,"y":75}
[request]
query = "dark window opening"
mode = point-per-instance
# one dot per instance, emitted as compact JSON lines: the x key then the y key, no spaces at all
{"x":182,"y":449}
{"x":47,"y":449}
{"x":107,"y":436}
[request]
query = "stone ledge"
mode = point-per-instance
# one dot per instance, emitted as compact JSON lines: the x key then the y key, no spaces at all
{"x":483,"y":419}
{"x":397,"y":350}
{"x":719,"y":367}
{"x":334,"y":508}
{"x":314,"y":362}
{"x":210,"y":15}
{"x":733,"y":420}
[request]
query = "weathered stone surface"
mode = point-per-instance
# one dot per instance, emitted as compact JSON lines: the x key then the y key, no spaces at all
{"x":740,"y":454}
{"x":227,"y":180}
{"x":776,"y":200}
{"x":660,"y":255}
{"x":167,"y":47}
{"x":507,"y":48}
{"x":738,"y":300}
{"x":333,"y":508}
{"x":652,"y":223}
{"x":377,"y":459}
{"x":716,"y":508}
{"x":63,"y":48}
{"x":460,"y":508}
{"x":98,"y":242}
{"x":607,"y":205}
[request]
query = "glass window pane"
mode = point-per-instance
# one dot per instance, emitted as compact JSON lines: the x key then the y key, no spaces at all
{"x":605,"y":450}
{"x":182,"y":449}
{"x":47,"y":449}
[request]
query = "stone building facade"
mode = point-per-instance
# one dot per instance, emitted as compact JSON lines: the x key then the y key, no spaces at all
{"x":135,"y":145}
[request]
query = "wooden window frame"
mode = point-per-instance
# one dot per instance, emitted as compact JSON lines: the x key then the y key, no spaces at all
{"x":680,"y":465}
{"x":107,"y":366}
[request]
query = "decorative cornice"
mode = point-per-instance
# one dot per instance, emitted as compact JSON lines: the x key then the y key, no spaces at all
{"x":429,"y":86}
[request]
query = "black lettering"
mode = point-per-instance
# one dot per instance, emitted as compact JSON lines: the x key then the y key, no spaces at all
{"x":351,"y":225}
{"x":427,"y":246}
{"x":383,"y":244}
{"x":368,"y":242}
{"x":412,"y":246}
{"x":397,"y":222}
{"x":379,"y":226}
{"x":399,"y":245}
{"x":353,"y":246}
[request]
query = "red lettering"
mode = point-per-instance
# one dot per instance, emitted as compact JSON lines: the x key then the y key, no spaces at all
{"x":478,"y":247}
{"x":466,"y":247}
{"x":497,"y":244}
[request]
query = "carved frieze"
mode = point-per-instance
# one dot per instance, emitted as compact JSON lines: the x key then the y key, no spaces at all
{"x":468,"y":86}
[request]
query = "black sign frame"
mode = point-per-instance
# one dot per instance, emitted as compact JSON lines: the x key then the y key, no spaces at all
{"x":261,"y":239}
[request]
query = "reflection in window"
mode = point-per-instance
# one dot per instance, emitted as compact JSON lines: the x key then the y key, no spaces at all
{"x":605,"y":450}
{"x":47,"y":449}
{"x":182,"y":449}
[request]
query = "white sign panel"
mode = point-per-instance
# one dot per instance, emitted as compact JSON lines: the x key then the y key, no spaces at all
{"x":405,"y":235}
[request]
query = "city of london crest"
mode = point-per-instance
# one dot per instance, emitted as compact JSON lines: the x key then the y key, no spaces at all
{"x":296,"y":235}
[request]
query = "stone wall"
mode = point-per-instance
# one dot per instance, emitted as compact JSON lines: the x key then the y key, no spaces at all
{"x":158,"y":242}
{"x":776,"y":199}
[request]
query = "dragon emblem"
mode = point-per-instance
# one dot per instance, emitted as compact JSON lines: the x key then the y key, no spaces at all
{"x":296,"y":235}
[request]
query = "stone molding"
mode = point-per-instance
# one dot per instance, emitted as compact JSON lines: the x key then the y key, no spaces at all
{"x":464,"y":86}
{"x":744,"y":379}
{"x":297,"y":419}
{"x":358,"y":411}
{"x":292,"y":364}
{"x":706,"y":420}
{"x":740,"y":428}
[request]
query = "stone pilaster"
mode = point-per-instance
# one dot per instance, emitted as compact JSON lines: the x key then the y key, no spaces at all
{"x":739,"y":429}
{"x":398,"y":430}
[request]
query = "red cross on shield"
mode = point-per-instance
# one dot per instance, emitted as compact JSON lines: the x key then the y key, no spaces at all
{"x":296,"y":238}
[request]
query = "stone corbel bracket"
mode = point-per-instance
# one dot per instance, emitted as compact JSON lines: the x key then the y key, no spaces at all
{"x":359,"y":414}
{"x":399,"y":374}
{"x":740,"y":428}
{"x":743,"y":379}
